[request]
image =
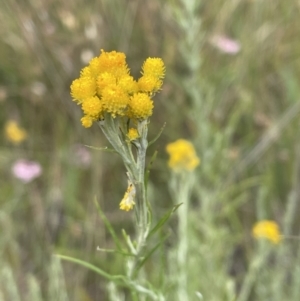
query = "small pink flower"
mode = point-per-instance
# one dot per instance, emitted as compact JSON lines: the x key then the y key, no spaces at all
{"x":226,"y":44}
{"x":26,"y":171}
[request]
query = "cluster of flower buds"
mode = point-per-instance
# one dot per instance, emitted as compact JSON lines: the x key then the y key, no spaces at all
{"x":105,"y":86}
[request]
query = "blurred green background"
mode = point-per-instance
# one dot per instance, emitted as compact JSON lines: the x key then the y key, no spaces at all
{"x":231,"y":88}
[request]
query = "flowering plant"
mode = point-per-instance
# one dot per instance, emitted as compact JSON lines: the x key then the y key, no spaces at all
{"x":110,"y":97}
{"x":182,"y":162}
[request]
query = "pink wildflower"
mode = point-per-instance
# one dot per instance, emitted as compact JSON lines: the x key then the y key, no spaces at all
{"x":225,"y":44}
{"x":26,"y":171}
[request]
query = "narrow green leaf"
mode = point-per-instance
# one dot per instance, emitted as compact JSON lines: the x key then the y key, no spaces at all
{"x":108,"y":226}
{"x":163,"y":278}
{"x":114,"y":251}
{"x":129,"y":242}
{"x":149,"y":166}
{"x":147,"y":173}
{"x":147,"y":256}
{"x":93,"y":268}
{"x":163,"y":220}
{"x":158,"y":135}
{"x":150,"y":215}
{"x":105,"y":149}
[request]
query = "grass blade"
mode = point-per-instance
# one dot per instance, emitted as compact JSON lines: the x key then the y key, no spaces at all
{"x":108,"y":226}
{"x":163,"y":220}
{"x":93,"y":268}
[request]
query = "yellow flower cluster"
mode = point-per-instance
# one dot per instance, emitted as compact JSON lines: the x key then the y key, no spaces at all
{"x":105,"y":86}
{"x":267,"y":229}
{"x":182,"y":156}
{"x":14,"y":133}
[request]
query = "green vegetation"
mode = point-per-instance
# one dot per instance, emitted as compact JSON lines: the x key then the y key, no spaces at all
{"x":239,"y":108}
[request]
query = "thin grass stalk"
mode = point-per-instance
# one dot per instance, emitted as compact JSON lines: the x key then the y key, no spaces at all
{"x":251,"y":277}
{"x":113,"y":293}
{"x":182,"y":251}
{"x":35,"y":293}
{"x":9,"y":284}
{"x":57,"y":289}
{"x":295,"y":293}
{"x":285,"y":252}
{"x":294,"y":197}
{"x":180,"y":187}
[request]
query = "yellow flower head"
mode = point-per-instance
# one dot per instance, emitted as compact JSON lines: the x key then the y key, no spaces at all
{"x":86,"y":72}
{"x":106,"y":87}
{"x":267,"y":229}
{"x":92,"y":107}
{"x":128,"y":84}
{"x":112,"y":62}
{"x":132,"y":134}
{"x":105,"y":79}
{"x":114,"y":100}
{"x":127,"y":202}
{"x":154,"y":67}
{"x":149,"y":84}
{"x":83,"y":88}
{"x":182,"y":156}
{"x":14,"y":133}
{"x":140,"y":106}
{"x":87,"y":121}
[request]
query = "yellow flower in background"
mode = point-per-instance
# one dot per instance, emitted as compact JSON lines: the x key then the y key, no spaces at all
{"x":105,"y":86}
{"x":14,"y":133}
{"x":127,"y":202}
{"x":132,"y":134}
{"x":182,"y":156}
{"x":267,"y":229}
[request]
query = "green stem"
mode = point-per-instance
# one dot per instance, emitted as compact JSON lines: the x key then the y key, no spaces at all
{"x":136,"y":174}
{"x":142,"y":223}
{"x":182,"y":253}
{"x":111,"y":132}
{"x":251,"y":277}
{"x":142,"y":226}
